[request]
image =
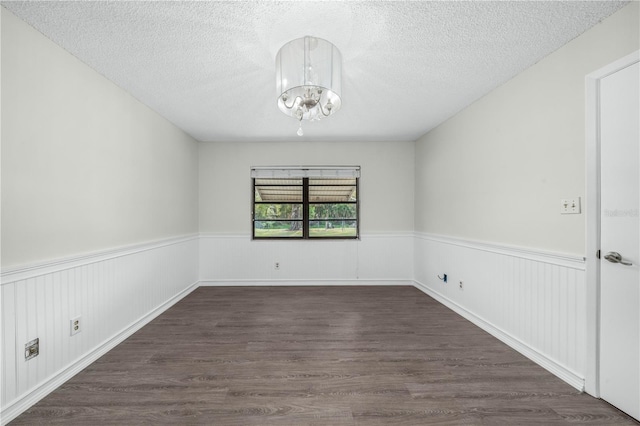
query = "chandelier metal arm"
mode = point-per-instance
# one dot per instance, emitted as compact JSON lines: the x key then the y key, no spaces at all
{"x":292,"y":104}
{"x":322,"y":110}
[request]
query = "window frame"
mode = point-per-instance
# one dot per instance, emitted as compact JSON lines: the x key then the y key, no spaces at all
{"x":306,"y":220}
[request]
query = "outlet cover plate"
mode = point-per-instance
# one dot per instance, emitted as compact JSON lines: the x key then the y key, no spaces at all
{"x":75,"y":326}
{"x":32,"y":349}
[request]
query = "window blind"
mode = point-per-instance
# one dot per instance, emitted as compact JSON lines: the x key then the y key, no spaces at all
{"x":305,"y":172}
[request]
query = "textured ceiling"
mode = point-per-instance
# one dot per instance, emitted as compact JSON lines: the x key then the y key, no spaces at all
{"x":407,"y":66}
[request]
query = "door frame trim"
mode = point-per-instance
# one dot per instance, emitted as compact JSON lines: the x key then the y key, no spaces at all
{"x":592,"y":232}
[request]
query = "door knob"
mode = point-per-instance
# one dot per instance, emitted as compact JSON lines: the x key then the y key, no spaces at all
{"x":614,"y":257}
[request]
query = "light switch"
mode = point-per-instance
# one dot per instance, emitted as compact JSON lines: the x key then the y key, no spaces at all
{"x":570,"y":205}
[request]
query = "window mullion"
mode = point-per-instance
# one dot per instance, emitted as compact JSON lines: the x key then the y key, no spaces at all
{"x":305,"y":208}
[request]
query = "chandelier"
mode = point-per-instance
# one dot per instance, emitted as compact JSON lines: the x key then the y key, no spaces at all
{"x":308,"y":79}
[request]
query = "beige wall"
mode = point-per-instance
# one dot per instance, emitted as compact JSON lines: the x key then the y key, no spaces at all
{"x":386,"y":185}
{"x":497,"y":170}
{"x":85,"y":166}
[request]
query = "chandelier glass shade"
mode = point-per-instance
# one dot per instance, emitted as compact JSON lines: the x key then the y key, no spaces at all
{"x":308,"y":78}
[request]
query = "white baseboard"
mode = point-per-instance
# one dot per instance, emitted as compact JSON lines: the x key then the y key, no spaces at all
{"x":22,"y":404}
{"x":545,"y":362}
{"x":302,"y":282}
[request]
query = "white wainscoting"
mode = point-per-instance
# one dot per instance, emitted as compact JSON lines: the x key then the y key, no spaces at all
{"x":534,"y":301}
{"x":115,"y":292}
{"x":374,"y":259}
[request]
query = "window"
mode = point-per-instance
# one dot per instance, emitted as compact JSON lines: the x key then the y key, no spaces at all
{"x":305,"y":203}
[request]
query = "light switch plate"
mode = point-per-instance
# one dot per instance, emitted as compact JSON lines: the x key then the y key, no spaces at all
{"x":570,"y":205}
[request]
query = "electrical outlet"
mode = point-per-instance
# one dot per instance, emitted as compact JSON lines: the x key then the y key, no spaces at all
{"x":570,"y":205}
{"x":75,"y":326}
{"x":32,"y":349}
{"x":461,"y":285}
{"x":276,"y":265}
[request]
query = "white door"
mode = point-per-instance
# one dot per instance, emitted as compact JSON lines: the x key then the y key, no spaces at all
{"x":620,"y":235}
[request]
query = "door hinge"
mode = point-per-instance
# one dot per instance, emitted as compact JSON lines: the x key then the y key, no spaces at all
{"x":598,"y":254}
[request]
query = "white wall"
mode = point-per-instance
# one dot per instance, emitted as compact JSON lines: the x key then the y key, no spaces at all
{"x":497,"y":170}
{"x":85,"y":166}
{"x":384,"y":258}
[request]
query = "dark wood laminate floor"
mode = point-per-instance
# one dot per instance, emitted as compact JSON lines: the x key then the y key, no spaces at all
{"x":315,"y":356}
